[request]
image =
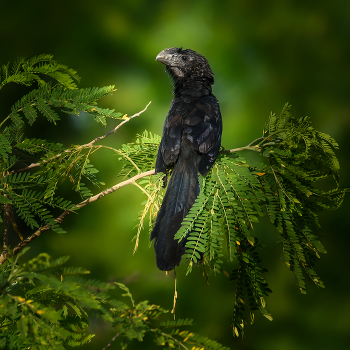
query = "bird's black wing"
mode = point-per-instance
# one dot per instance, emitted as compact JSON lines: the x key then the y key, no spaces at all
{"x":169,"y":147}
{"x":203,"y":128}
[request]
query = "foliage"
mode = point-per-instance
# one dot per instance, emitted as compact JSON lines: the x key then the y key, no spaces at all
{"x":33,"y":195}
{"x":133,"y":322}
{"x":45,"y":306}
{"x":139,"y":157}
{"x":285,"y":188}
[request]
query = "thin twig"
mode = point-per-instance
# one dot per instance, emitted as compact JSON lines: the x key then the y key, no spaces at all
{"x":14,"y":224}
{"x":259,"y":138}
{"x":116,"y":128}
{"x":112,"y":340}
{"x":175,"y":296}
{"x":142,"y":189}
{"x":86,"y":145}
{"x":250,"y":148}
{"x":4,"y":254}
{"x":8,"y":117}
{"x":276,"y":178}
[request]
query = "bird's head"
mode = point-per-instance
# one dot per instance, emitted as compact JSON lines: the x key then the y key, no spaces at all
{"x":186,"y":64}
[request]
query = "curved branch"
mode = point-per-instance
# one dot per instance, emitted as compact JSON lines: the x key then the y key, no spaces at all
{"x":126,"y":119}
{"x":59,"y":219}
{"x":112,"y":340}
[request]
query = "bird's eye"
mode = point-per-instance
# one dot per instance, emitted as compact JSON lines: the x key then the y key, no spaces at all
{"x":184,"y":58}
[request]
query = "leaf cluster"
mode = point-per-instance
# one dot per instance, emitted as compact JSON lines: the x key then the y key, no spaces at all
{"x":32,"y":169}
{"x":136,"y":320}
{"x":45,"y":305}
{"x":139,"y":155}
{"x":288,"y":187}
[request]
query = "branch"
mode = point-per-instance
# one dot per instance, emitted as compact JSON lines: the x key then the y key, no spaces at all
{"x":59,"y":219}
{"x":86,"y":145}
{"x":112,"y":340}
{"x":250,"y":148}
{"x":115,"y":129}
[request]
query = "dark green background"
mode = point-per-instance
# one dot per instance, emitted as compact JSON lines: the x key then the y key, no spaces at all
{"x":263,"y":54}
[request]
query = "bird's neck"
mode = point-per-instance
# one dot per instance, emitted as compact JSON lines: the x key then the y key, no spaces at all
{"x":192,"y":88}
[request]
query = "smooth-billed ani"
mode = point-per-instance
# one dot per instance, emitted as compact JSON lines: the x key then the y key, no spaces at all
{"x":191,"y":139}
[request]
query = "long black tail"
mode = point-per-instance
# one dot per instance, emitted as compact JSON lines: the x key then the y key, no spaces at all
{"x":181,"y":193}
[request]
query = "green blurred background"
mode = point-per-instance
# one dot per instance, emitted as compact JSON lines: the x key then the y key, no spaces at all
{"x":263,"y":54}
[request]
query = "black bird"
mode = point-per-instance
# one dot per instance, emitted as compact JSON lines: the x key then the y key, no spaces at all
{"x":191,"y":139}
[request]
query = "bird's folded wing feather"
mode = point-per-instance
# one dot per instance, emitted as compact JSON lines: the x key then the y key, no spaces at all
{"x":203,"y":128}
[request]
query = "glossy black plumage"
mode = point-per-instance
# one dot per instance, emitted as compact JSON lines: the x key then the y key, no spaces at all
{"x":191,"y":141}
